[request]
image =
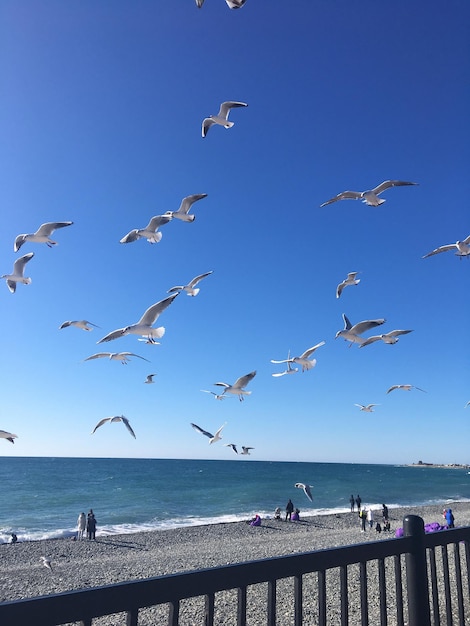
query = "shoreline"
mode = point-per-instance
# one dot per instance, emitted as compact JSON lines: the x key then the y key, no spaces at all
{"x":119,"y":558}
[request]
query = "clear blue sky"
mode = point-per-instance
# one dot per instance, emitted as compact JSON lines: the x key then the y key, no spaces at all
{"x":100,"y":123}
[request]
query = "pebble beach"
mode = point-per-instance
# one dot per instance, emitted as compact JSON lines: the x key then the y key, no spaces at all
{"x":118,"y":558}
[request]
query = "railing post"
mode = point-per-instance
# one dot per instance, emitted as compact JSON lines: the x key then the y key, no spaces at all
{"x":416,"y":573}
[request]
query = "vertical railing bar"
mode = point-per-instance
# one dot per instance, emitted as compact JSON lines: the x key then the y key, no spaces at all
{"x":321,"y":598}
{"x":271,"y":602}
{"x":132,"y":617}
{"x":458,"y":582}
{"x":382,"y":593}
{"x":467,"y":561}
{"x":364,"y":600}
{"x":174,"y":613}
{"x":298,"y":600}
{"x":399,"y":590}
{"x":241,"y":606}
{"x":343,"y":579}
{"x":209,"y":609}
{"x":445,"y":566}
{"x":434,"y":590}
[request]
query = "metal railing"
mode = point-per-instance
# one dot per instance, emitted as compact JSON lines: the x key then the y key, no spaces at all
{"x":400,"y":581}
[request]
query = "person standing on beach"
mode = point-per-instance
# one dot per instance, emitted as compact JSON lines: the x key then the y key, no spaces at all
{"x":289,"y":510}
{"x":363,"y":517}
{"x":81,"y":525}
{"x":352,"y":502}
{"x":370,"y":518}
{"x":91,"y":525}
{"x":450,"y":518}
{"x":358,"y":502}
{"x":384,"y":512}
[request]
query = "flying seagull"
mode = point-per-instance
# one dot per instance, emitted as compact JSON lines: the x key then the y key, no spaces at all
{"x":231,"y":445}
{"x":149,"y":380}
{"x":212,"y":438}
{"x":370,"y":197}
{"x":186,"y":203}
{"x":237,"y":387}
{"x":144,"y":326}
{"x":18,"y":272}
{"x":235,"y":4}
{"x":468,"y":404}
{"x":190,"y":287}
{"x":462,"y":247}
{"x":289,"y":370}
{"x":350,"y":280}
{"x":83,"y":324}
{"x":368,"y":408}
{"x":42,"y":235}
{"x":391,"y":337}
{"x":216,"y":395}
{"x":307,"y":490}
{"x":222,"y":116}
{"x":351,"y":333}
{"x":405,"y":388}
{"x":150,"y":232}
{"x":46,"y":562}
{"x":303,"y":359}
{"x":115,"y":356}
{"x":8,"y":436}
{"x":116,"y":418}
{"x":246,"y":449}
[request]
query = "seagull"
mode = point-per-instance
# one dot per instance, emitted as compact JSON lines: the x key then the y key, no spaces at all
{"x":289,"y":370}
{"x":303,"y":359}
{"x":235,"y":4}
{"x":370,"y":197}
{"x":149,"y":380}
{"x":83,"y":324}
{"x":462,"y":247}
{"x":237,"y":387}
{"x":115,"y":356}
{"x":8,"y":436}
{"x":368,"y":408}
{"x":144,"y":326}
{"x":150,"y":232}
{"x":190,"y":287}
{"x":222,"y":116}
{"x":212,"y":438}
{"x":468,"y":404}
{"x":116,"y":418}
{"x":307,"y":490}
{"x":351,"y":333}
{"x":18,"y":272}
{"x":391,"y":337}
{"x":186,"y":203}
{"x":405,"y":388}
{"x":46,"y":562}
{"x":246,"y":449}
{"x":350,"y":280}
{"x":233,"y":446}
{"x":41,"y":235}
{"x":216,"y":395}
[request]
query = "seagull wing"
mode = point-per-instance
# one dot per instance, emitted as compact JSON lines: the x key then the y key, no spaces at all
{"x":246,"y":449}
{"x":397,"y":333}
{"x":308,"y":492}
{"x":18,"y":265}
{"x":158,"y":220}
{"x":98,"y":355}
{"x":206,"y":124}
{"x":362,"y":327}
{"x":370,"y":340}
{"x":244,"y":380}
{"x":9,"y":436}
{"x":226,"y":385}
{"x":393,"y":387}
{"x":446,"y":248}
{"x":202,"y":431}
{"x":347,"y":323}
{"x":133,"y":354}
{"x":100,"y":423}
{"x":419,"y":389}
{"x":19,"y":241}
{"x":344,"y":195}
{"x":49,"y":227}
{"x":283,"y":361}
{"x":390,"y":183}
{"x":310,"y":351}
{"x":187,"y":202}
{"x":65,"y":325}
{"x":231,"y":445}
{"x":226,"y":106}
{"x":152,"y":313}
{"x":339,"y":288}
{"x":197,"y":279}
{"x":131,"y":236}
{"x":128,"y":426}
{"x":115,"y":334}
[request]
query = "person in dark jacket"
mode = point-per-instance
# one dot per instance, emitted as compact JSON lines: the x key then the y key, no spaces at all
{"x":91,"y":525}
{"x":450,"y":518}
{"x":289,"y":510}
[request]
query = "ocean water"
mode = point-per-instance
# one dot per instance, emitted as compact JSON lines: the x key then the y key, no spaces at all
{"x":42,"y":497}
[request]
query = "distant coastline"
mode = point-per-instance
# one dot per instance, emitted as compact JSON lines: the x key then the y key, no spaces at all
{"x":440,"y":465}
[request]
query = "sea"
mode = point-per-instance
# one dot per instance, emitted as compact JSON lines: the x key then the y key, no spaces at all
{"x":42,"y":497}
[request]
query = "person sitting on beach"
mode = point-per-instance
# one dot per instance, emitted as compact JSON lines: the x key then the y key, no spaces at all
{"x":81,"y":525}
{"x":256,"y":521}
{"x":289,"y":510}
{"x":378,"y":528}
{"x":91,"y":525}
{"x":296,"y":516}
{"x":387,"y":525}
{"x":277,"y":513}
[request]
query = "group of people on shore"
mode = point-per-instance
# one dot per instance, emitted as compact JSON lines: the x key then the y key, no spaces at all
{"x":367,"y":515}
{"x":86,"y":524}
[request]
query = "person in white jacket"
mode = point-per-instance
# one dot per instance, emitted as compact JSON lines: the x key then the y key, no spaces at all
{"x":370,"y":517}
{"x":81,"y":524}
